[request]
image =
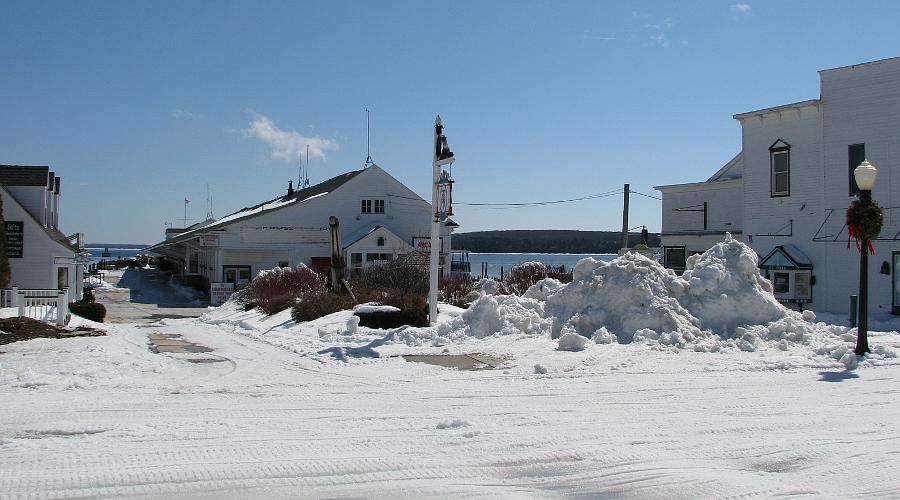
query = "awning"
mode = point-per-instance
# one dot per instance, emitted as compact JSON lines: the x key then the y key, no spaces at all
{"x":786,"y":257}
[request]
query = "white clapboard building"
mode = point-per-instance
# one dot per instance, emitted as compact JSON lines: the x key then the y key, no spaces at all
{"x":786,"y":193}
{"x":40,"y":256}
{"x":380,"y":219}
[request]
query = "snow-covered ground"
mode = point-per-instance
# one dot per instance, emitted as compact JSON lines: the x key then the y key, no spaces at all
{"x":671,"y":395}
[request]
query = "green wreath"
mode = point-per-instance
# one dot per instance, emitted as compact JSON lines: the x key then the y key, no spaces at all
{"x":865,"y":220}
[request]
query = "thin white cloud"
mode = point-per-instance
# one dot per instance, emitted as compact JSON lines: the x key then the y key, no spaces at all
{"x":741,"y":8}
{"x":180,"y":114}
{"x":287,"y":145}
{"x":660,"y":39}
{"x":590,"y":35}
{"x":659,"y":36}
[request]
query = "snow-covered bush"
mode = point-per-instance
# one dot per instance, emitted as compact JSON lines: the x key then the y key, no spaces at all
{"x":278,"y":289}
{"x":522,"y":277}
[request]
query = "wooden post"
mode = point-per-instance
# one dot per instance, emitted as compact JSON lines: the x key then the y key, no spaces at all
{"x":337,"y":255}
{"x":625,"y":217}
{"x":61,"y":306}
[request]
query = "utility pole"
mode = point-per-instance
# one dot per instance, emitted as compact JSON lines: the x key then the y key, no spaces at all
{"x":441,"y":205}
{"x":625,"y":217}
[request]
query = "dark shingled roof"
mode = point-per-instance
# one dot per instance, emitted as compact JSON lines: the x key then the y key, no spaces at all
{"x":24,"y":175}
{"x":303,"y":194}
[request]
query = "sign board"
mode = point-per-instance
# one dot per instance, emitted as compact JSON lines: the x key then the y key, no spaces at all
{"x":445,"y":199}
{"x":219,"y":293}
{"x":423,"y":243}
{"x":15,"y":238}
{"x":209,"y":240}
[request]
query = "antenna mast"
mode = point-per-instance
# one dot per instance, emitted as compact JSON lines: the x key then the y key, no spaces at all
{"x":306,"y":173}
{"x":300,"y":174}
{"x":209,"y":210}
{"x":369,"y":161}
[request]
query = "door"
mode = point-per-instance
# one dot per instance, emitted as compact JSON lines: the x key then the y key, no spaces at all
{"x":895,"y":280}
{"x":62,"y":277}
{"x":238,"y":276}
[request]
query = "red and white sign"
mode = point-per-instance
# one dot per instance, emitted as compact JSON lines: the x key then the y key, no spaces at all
{"x":423,"y":243}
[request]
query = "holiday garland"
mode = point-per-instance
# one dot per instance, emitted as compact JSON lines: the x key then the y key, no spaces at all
{"x":864,"y":221}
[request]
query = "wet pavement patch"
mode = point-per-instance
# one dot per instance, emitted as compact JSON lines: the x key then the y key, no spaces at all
{"x":459,"y":361}
{"x":165,"y":343}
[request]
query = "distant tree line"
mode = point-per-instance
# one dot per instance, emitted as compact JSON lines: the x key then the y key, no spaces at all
{"x":546,"y":241}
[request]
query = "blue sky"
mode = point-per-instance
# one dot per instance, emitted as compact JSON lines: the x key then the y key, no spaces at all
{"x":139,"y":105}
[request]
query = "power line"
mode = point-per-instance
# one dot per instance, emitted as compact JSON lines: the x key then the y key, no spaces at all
{"x":541,"y":203}
{"x":647,"y":195}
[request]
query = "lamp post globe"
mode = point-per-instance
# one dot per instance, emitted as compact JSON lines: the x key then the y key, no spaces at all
{"x":865,"y":175}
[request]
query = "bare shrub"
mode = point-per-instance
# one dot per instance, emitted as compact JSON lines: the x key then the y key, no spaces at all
{"x":393,"y":283}
{"x":311,"y":307}
{"x":278,"y":289}
{"x":522,"y":277}
{"x":457,"y":289}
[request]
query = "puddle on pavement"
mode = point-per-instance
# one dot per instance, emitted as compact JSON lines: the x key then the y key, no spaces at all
{"x":458,"y":361}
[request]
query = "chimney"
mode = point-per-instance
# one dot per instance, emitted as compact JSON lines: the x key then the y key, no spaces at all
{"x":290,"y":188}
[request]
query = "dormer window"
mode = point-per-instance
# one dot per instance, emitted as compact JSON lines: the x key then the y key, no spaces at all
{"x":780,"y":164}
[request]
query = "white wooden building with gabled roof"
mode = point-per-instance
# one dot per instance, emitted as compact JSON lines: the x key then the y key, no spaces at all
{"x":380,"y":219}
{"x":40,"y":255}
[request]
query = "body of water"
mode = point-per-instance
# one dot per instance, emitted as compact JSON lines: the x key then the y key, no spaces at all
{"x":496,"y":261}
{"x":116,"y":252}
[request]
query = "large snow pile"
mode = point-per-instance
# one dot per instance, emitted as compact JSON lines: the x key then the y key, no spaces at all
{"x":635,"y":298}
{"x":720,"y":302}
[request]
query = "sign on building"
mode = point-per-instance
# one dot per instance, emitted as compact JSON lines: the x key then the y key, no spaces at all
{"x":423,"y":243}
{"x":15,"y":238}
{"x":209,"y":240}
{"x":219,"y":293}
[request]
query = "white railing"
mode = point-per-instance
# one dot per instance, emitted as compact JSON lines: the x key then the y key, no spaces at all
{"x":45,"y":305}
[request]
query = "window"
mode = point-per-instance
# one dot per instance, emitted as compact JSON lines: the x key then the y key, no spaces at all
{"x":379,"y":206}
{"x":194,"y":263}
{"x":283,"y":263}
{"x":780,"y":164}
{"x":366,"y":206}
{"x":781,"y":283}
{"x":856,"y":154}
{"x":377,"y":258}
{"x":356,"y":264}
{"x":380,"y":241}
{"x":791,"y":285}
{"x":675,"y":258}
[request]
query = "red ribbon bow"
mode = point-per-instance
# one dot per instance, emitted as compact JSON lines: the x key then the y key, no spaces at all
{"x":855,"y":232}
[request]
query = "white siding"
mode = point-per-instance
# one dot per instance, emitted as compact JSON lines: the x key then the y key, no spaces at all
{"x":859,"y":104}
{"x":31,"y":198}
{"x":299,"y":231}
{"x":41,"y":253}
